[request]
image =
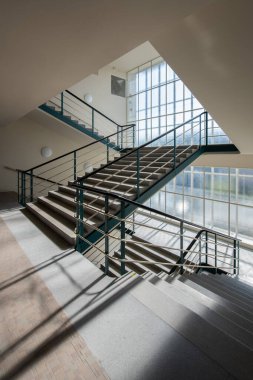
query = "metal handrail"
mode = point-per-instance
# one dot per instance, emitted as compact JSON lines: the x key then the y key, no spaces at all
{"x":78,"y":149}
{"x":182,"y":260}
{"x":141,"y":146}
{"x":150,"y":209}
{"x":95,"y":109}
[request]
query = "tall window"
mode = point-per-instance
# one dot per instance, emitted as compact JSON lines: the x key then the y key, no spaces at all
{"x":219,"y":198}
{"x":157,"y":101}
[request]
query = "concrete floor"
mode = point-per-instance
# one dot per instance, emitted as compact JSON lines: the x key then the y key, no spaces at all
{"x":166,"y":238}
{"x":125,"y":338}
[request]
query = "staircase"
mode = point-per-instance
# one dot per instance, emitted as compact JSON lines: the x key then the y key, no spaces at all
{"x":70,"y":109}
{"x":54,"y":191}
{"x":203,"y":320}
{"x":183,"y":326}
{"x":139,"y":250}
{"x":214,"y":312}
{"x":58,"y":208}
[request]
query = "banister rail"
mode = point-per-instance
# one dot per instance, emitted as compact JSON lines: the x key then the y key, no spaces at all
{"x":95,"y":109}
{"x":78,"y":149}
{"x":185,"y":254}
{"x":150,"y":142}
{"x":150,"y":209}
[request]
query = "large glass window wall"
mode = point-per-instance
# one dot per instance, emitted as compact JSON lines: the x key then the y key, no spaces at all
{"x":218,"y":198}
{"x":157,"y":101}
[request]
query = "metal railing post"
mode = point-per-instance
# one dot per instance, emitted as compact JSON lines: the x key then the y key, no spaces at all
{"x":200,"y":127}
{"x":200,"y":247}
{"x":181,"y":248}
{"x":206,"y":126}
{"x":62,"y":103}
{"x":31,"y":186}
{"x":174,"y":152}
{"x":206,"y":247}
{"x":23,"y":189}
{"x":122,"y":237}
{"x":133,"y":135}
{"x":107,"y":150}
{"x":92,"y":121}
{"x":235,"y":257}
{"x":215,"y":250}
{"x":18,"y":186}
{"x":138,"y":172}
{"x":74,"y":165}
{"x":106,"y":235}
{"x":80,"y":214}
{"x":117,"y":135}
{"x":238,"y":258}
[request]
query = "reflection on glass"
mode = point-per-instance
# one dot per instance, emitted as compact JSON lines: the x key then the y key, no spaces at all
{"x":219,"y":198}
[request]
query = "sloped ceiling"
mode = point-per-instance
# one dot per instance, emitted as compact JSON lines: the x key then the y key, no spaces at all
{"x":47,"y":46}
{"x":211,"y":51}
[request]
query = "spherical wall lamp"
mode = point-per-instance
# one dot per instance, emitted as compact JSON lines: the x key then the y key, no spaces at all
{"x":87,"y":167}
{"x":88,"y":98}
{"x":46,"y":152}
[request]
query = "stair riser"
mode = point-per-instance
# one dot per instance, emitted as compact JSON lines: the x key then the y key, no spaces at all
{"x":166,"y":255}
{"x":53,"y":227}
{"x":133,"y":173}
{"x":152,"y":255}
{"x":88,"y":211}
{"x":133,"y":266}
{"x":110,"y":186}
{"x":99,"y":203}
{"x":117,"y":179}
{"x":71,"y":218}
{"x":154,"y":167}
{"x":149,"y":267}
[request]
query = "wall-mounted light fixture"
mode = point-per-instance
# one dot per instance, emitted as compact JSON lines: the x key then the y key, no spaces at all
{"x":88,"y":98}
{"x":87,"y":167}
{"x":46,"y":152}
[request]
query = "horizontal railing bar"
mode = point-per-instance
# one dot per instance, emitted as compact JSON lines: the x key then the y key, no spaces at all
{"x":78,"y":149}
{"x":142,"y":146}
{"x":138,"y":205}
{"x":93,"y":108}
{"x":149,"y":262}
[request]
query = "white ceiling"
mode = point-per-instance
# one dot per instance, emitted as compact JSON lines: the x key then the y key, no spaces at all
{"x":212,"y":53}
{"x":136,"y":57}
{"x":47,"y":46}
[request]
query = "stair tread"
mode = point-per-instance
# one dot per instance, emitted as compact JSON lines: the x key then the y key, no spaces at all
{"x":232,"y":355}
{"x":224,"y":284}
{"x":193,"y":303}
{"x":224,"y":309}
{"x":88,"y":221}
{"x":221,"y":300}
{"x":160,"y":267}
{"x":140,"y":267}
{"x":163,"y":252}
{"x":57,"y":222}
{"x":212,"y":285}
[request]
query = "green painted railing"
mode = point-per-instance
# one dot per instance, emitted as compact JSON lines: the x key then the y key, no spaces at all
{"x":77,"y":113}
{"x":207,"y":250}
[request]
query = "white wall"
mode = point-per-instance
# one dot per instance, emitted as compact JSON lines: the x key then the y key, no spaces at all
{"x":21,"y":142}
{"x":99,"y":86}
{"x":225,"y":160}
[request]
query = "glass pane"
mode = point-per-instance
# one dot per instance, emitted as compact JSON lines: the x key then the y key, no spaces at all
{"x":245,"y":187}
{"x":132,"y":82}
{"x":220,"y":216}
{"x":131,"y":108}
{"x":197,"y":210}
{"x":245,"y":221}
{"x":155,"y":75}
{"x":179,"y":90}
